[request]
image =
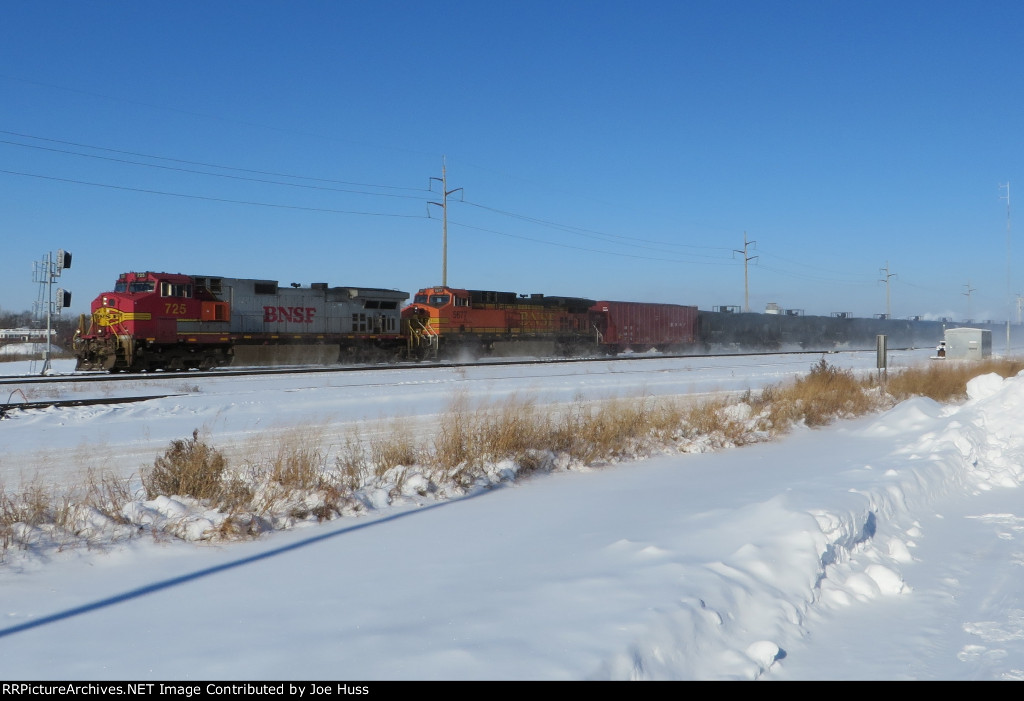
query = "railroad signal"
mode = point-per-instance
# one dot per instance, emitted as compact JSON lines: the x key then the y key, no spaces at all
{"x":46,"y":273}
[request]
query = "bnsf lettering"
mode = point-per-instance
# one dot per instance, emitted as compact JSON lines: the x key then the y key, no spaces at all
{"x":296,"y":315}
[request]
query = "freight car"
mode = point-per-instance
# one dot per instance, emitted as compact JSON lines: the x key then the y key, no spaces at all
{"x":445,"y":321}
{"x":158,"y":321}
{"x":724,"y":332}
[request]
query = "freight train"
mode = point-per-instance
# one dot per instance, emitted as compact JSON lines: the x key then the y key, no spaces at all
{"x":164,"y":321}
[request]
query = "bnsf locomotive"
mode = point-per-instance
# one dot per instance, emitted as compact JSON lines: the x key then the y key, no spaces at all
{"x":443,"y":321}
{"x":158,"y":321}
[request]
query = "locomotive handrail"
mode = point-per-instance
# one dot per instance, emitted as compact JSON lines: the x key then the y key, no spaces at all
{"x":420,"y":329}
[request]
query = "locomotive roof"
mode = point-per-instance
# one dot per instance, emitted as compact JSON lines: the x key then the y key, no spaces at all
{"x":137,"y":275}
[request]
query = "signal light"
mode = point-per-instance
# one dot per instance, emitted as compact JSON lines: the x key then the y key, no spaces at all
{"x":63,"y":259}
{"x":63,"y":298}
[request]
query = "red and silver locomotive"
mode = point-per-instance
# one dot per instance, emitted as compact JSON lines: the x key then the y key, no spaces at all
{"x":157,"y":321}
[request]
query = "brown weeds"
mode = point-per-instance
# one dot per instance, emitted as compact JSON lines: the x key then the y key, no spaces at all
{"x":293,"y":477}
{"x":188,"y":468}
{"x":946,"y":380}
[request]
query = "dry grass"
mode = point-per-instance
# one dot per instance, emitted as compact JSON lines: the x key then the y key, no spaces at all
{"x":393,"y":446}
{"x":293,"y":478}
{"x":188,"y":468}
{"x":107,"y":494}
{"x":823,"y":395}
{"x":946,"y":381}
{"x":352,"y":462}
{"x":34,"y":505}
{"x":36,"y":513}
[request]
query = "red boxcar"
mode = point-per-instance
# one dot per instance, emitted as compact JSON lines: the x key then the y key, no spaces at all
{"x":641,"y":326}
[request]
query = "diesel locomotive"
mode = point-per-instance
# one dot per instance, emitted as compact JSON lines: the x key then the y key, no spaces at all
{"x":444,"y":321}
{"x":166,"y":321}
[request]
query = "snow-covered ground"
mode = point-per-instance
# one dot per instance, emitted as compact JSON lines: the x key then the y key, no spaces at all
{"x":59,"y":444}
{"x":888,"y":547}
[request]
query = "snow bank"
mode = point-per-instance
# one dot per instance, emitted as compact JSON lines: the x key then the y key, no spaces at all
{"x":707,"y":566}
{"x":798,"y":557}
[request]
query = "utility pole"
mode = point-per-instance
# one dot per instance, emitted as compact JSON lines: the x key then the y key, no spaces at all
{"x":1008,"y":286}
{"x":746,"y":276}
{"x":968,"y":295}
{"x":888,"y":305}
{"x":443,"y":204}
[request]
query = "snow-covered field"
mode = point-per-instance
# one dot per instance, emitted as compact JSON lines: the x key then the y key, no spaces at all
{"x":234,"y":411}
{"x":888,"y":547}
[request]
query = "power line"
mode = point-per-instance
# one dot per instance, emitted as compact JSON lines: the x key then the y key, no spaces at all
{"x":203,"y":115}
{"x":591,"y":232}
{"x":187,"y":162}
{"x":577,"y":248}
{"x":212,"y":199}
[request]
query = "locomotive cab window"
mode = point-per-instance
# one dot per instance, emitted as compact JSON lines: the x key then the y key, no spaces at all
{"x":439,"y":300}
{"x":147,"y":286}
{"x":383,"y":304}
{"x":168,"y":289}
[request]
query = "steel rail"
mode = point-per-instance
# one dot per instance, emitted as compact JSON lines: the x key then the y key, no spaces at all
{"x":95,"y":376}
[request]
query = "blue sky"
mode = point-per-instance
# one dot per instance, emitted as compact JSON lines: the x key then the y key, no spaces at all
{"x":604,"y":149}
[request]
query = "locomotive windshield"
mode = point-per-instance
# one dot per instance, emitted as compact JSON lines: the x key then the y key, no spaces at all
{"x":432,"y":300}
{"x":122,"y":286}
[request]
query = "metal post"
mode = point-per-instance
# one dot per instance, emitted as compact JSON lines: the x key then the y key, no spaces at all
{"x":49,"y":311}
{"x":881,"y":359}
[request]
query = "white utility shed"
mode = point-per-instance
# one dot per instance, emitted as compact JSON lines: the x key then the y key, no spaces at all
{"x":968,"y":344}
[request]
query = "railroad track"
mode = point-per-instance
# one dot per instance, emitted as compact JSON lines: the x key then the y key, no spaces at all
{"x":99,"y":377}
{"x":39,"y":384}
{"x":9,"y":406}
